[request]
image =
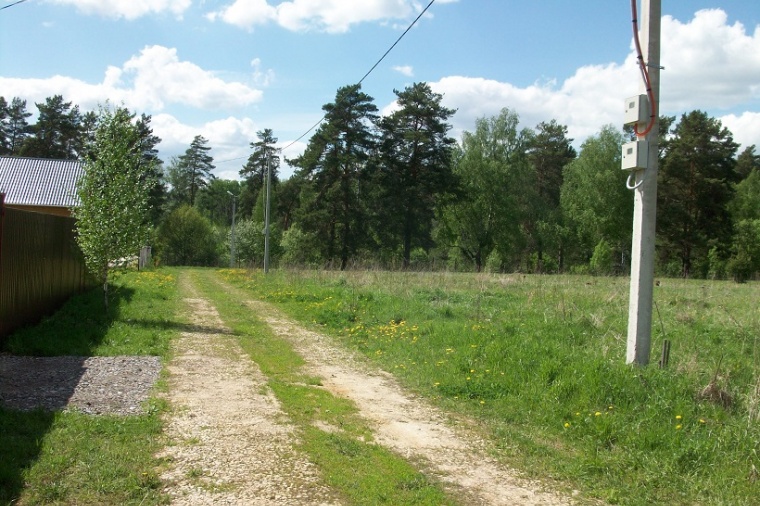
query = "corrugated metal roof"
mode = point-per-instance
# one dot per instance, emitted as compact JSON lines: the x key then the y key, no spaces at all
{"x":39,"y":181}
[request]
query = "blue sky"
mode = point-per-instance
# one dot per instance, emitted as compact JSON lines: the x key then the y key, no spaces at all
{"x":228,"y":68}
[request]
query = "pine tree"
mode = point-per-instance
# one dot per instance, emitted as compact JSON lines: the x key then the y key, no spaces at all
{"x":549,"y":151}
{"x":333,"y":168}
{"x":255,"y":170}
{"x":415,"y":168}
{"x":14,"y":128}
{"x":150,"y":159}
{"x":57,"y":133}
{"x":697,"y":177}
{"x":196,"y":166}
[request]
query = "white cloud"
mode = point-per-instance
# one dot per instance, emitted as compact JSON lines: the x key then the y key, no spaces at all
{"x":332,"y":16}
{"x":586,"y":101}
{"x":128,"y":9}
{"x":404,"y":70}
{"x":709,"y":65}
{"x":261,"y":77}
{"x":245,"y":13}
{"x":745,"y":127}
{"x":147,"y":82}
{"x":158,"y":76}
{"x":229,"y":139}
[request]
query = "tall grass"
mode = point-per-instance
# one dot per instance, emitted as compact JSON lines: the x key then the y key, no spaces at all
{"x":540,"y":361}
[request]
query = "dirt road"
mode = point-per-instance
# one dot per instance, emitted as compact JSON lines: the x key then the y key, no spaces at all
{"x":232,"y":444}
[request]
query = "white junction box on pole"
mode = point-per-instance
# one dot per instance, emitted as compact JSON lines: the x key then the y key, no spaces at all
{"x":635,"y":155}
{"x":636,"y":110}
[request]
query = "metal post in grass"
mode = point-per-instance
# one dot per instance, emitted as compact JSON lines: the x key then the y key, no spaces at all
{"x":645,"y":198}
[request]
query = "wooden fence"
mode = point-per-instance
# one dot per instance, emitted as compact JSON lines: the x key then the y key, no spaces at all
{"x":41,"y":266}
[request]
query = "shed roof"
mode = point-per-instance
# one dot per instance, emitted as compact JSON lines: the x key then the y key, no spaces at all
{"x":40,"y":181}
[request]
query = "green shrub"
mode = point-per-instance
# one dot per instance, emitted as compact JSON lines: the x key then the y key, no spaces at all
{"x":187,"y":238}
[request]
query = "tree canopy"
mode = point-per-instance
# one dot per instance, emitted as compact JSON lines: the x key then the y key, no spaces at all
{"x":697,"y":177}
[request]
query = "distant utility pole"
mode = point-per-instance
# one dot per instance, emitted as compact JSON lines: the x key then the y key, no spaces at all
{"x":232,"y":231}
{"x":645,"y":201}
{"x":266,"y":214}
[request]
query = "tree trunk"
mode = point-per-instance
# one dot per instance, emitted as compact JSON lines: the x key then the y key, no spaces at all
{"x":105,"y":288}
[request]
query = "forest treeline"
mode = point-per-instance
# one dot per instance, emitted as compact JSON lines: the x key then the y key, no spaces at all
{"x":398,"y":191}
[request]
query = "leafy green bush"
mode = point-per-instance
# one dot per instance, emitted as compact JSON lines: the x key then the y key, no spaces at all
{"x":187,"y":238}
{"x":601,"y":260}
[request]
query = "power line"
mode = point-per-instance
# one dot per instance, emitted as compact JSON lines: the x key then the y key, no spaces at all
{"x":12,"y":4}
{"x":422,"y":13}
{"x":397,"y":41}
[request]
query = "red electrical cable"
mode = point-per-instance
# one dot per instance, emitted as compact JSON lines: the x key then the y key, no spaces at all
{"x":644,"y":74}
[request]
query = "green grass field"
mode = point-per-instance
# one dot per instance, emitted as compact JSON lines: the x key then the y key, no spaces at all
{"x":540,"y":361}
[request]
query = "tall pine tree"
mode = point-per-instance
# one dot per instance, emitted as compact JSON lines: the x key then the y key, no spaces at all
{"x":196,"y":166}
{"x":333,"y":170}
{"x":549,"y":151}
{"x":57,"y":133}
{"x":14,"y":128}
{"x":415,"y":168}
{"x":696,"y":184}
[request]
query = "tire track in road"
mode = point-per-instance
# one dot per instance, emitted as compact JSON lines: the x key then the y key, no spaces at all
{"x":229,"y":441}
{"x":407,"y":424}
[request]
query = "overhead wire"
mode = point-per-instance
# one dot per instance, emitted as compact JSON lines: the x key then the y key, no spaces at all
{"x":12,"y":4}
{"x":411,"y":25}
{"x":644,"y":74}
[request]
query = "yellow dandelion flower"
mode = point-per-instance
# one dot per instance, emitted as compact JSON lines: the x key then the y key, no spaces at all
{"x":437,"y":383}
{"x":598,"y":413}
{"x":472,"y":370}
{"x":468,"y":378}
{"x":482,"y":402}
{"x":567,"y":425}
{"x":701,"y":420}
{"x":679,"y":426}
{"x":678,"y":417}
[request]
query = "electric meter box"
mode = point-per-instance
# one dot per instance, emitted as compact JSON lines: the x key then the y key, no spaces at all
{"x":635,"y":155}
{"x":636,"y":110}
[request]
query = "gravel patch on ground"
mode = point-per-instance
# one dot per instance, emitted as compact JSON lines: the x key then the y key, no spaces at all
{"x":93,"y":385}
{"x":407,"y":424}
{"x":230,"y":442}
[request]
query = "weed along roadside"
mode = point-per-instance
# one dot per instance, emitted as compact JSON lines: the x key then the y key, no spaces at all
{"x":539,"y":363}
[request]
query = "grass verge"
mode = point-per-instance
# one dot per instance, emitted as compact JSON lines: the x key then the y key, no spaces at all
{"x":331,"y":432}
{"x":73,"y":458}
{"x":540,"y":361}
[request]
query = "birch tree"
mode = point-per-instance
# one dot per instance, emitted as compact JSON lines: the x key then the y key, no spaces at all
{"x":112,"y":217}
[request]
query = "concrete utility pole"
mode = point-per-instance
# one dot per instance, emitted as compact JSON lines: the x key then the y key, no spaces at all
{"x":645,"y":203}
{"x":232,"y":231}
{"x":266,"y":214}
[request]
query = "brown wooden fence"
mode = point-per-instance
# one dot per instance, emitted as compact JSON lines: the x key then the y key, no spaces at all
{"x":41,"y":266}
